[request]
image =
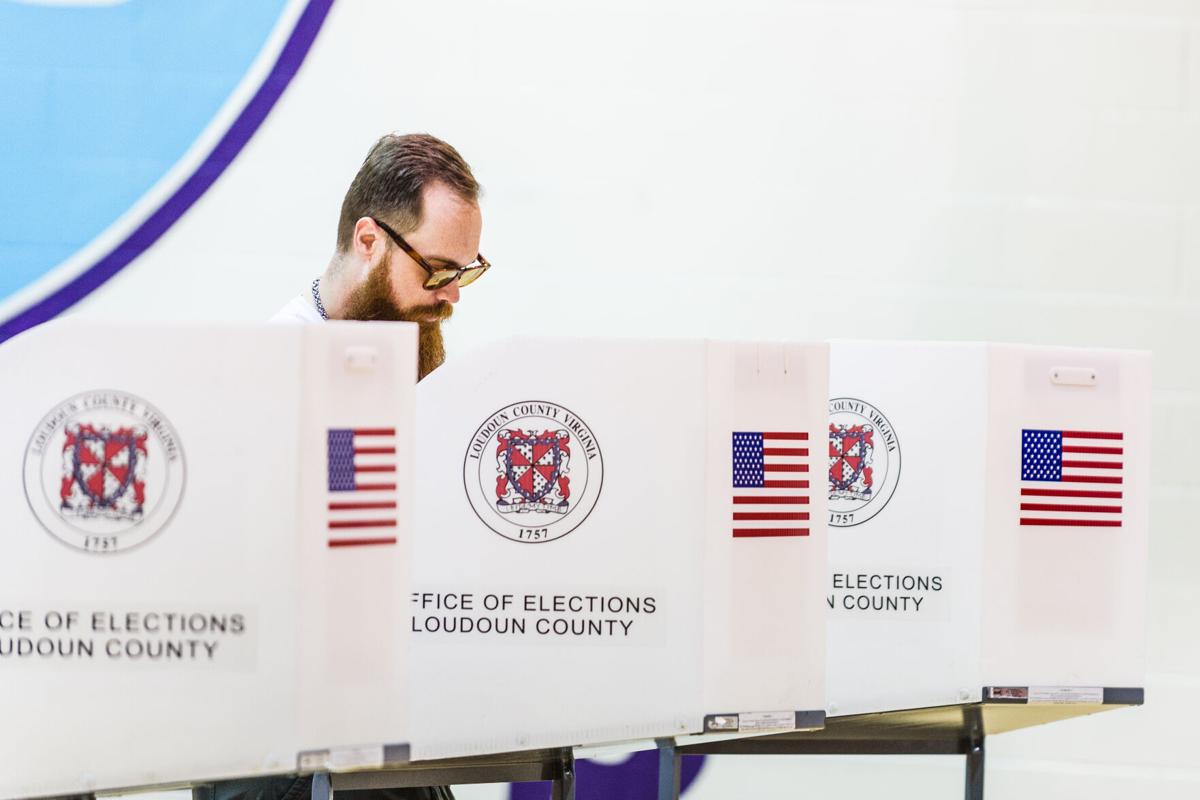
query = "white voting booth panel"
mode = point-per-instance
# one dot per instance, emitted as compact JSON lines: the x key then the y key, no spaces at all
{"x":178,"y":598}
{"x":616,"y":540}
{"x":988,"y":510}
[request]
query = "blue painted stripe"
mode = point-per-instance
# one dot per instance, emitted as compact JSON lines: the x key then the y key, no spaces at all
{"x":243,"y":128}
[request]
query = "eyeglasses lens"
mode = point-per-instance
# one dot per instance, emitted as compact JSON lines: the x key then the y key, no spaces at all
{"x":440,"y":278}
{"x":470,"y":275}
{"x":444,"y":277}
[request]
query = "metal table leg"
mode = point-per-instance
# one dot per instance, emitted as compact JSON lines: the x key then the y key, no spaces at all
{"x":563,"y":786}
{"x":668,"y":769}
{"x":322,"y":787}
{"x":973,"y":720}
{"x":975,"y":772}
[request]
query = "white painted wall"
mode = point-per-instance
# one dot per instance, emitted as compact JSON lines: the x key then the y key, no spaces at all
{"x":1020,"y":170}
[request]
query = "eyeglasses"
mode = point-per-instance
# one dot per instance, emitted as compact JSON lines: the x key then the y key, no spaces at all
{"x":439,"y":276}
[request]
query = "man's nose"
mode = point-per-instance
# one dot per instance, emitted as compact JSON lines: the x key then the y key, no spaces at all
{"x":449,"y":292}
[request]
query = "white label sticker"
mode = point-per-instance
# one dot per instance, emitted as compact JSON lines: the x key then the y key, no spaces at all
{"x":767,"y":720}
{"x":1066,"y":694}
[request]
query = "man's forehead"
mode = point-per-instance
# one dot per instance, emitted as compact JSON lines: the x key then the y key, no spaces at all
{"x":450,"y":225}
{"x":442,"y":196}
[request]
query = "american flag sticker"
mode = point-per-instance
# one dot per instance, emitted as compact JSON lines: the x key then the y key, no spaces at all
{"x":362,"y":487}
{"x":1072,"y":478}
{"x":770,"y":484}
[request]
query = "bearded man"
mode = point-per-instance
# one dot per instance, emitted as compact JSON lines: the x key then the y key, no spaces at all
{"x":407,"y":242}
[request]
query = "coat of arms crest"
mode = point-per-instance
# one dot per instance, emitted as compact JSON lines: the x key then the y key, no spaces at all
{"x":533,"y":471}
{"x":104,"y":472}
{"x":851,"y":450}
{"x":864,"y":461}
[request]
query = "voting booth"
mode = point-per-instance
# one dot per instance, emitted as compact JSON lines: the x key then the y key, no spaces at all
{"x":988,"y":523}
{"x":617,"y":540}
{"x":205,"y":533}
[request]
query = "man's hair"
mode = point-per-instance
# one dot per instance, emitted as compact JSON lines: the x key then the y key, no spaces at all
{"x":393,"y":175}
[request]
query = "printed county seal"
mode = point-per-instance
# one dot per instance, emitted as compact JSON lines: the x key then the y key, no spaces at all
{"x":104,"y":471}
{"x":533,"y":471}
{"x":864,"y":461}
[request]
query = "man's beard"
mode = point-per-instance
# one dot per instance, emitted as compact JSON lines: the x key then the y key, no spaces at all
{"x":372,"y":301}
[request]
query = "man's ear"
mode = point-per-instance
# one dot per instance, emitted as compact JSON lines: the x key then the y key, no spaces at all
{"x":368,"y":241}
